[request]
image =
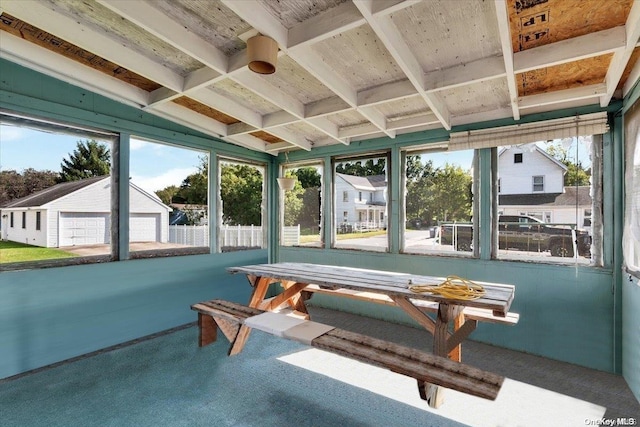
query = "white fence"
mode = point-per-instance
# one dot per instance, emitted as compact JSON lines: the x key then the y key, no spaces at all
{"x":230,"y":235}
{"x":189,"y":235}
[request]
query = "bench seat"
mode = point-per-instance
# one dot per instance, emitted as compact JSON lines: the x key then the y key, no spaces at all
{"x":473,"y":313}
{"x":424,"y":367}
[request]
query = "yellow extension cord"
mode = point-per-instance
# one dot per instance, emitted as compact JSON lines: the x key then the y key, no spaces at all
{"x":453,"y":287}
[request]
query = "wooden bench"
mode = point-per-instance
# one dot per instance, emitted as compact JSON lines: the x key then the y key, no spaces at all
{"x":472,"y":313}
{"x":424,"y":367}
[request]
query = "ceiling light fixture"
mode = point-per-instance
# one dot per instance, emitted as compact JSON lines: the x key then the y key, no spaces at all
{"x":263,"y":54}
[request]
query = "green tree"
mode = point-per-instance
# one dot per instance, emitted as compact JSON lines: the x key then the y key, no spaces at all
{"x":452,"y":194}
{"x":358,"y":168}
{"x":241,"y":194}
{"x":420,"y":189}
{"x":14,"y":185}
{"x":293,"y":202}
{"x":194,"y":189}
{"x":90,"y":158}
{"x":576,"y":173}
{"x":167,"y":194}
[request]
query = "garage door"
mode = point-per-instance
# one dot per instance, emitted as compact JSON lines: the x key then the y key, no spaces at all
{"x":144,"y":228}
{"x":84,"y":228}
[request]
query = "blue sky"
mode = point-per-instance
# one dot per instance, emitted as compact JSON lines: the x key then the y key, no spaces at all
{"x":153,"y":166}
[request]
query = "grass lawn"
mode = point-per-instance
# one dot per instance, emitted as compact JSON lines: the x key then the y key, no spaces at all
{"x":19,"y":252}
{"x":362,"y":235}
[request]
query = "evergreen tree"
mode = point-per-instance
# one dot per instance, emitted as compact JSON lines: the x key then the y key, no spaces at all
{"x":90,"y":158}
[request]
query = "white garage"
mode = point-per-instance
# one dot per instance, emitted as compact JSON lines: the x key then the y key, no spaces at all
{"x":79,"y":213}
{"x":144,"y":227}
{"x":84,"y":228}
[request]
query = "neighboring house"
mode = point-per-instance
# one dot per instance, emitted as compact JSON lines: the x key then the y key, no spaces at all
{"x":532,"y":183}
{"x":79,"y":213}
{"x":361,"y":199}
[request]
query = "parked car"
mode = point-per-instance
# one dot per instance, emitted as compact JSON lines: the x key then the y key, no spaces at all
{"x":524,"y":233}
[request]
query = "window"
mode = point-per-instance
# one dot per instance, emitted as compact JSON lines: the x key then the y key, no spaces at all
{"x":302,"y":213}
{"x":66,"y":168}
{"x":564,"y":189}
{"x":345,"y":196}
{"x":168,"y":200}
{"x":586,"y":218}
{"x":517,"y":158}
{"x":242,"y":199}
{"x":631,"y":234}
{"x":499,"y":185}
{"x":365,"y":225}
{"x":438,"y":202}
{"x":538,"y":183}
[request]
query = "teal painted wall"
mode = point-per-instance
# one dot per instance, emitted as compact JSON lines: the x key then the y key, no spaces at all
{"x":49,"y":315}
{"x":565,"y":313}
{"x":53,"y":314}
{"x":631,"y":303}
{"x":631,"y":333}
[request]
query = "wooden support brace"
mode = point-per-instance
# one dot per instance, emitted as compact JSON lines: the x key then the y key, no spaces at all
{"x":285,"y":296}
{"x":458,"y":336}
{"x":415,"y":313}
{"x":230,"y":330}
{"x":208,"y":332}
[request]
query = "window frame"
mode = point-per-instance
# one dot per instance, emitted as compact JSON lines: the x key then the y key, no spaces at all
{"x":11,"y":220}
{"x":518,"y":158}
{"x":534,"y":183}
{"x":24,"y":220}
{"x":38,"y":220}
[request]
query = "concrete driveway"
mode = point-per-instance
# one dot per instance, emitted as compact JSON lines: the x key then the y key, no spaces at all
{"x":105,"y":249}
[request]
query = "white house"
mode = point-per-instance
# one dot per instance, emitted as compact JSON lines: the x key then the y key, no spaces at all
{"x":531,"y":182}
{"x":78,"y":213}
{"x":361,"y":200}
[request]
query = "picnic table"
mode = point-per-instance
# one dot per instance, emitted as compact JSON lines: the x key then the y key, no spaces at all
{"x":453,"y":320}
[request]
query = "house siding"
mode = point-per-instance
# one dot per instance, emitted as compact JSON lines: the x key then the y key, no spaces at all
{"x":517,"y":178}
{"x":143,"y":204}
{"x":28,"y":235}
{"x":93,"y":198}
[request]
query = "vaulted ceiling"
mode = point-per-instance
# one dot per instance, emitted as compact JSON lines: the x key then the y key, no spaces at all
{"x":346,"y":70}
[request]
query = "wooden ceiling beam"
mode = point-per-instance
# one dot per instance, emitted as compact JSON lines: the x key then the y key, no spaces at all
{"x":32,"y":56}
{"x":507,"y":55}
{"x":560,"y":96}
{"x":47,"y":18}
{"x":168,"y":30}
{"x":621,"y":57}
{"x":256,"y":14}
{"x":575,"y":49}
{"x":387,"y":32}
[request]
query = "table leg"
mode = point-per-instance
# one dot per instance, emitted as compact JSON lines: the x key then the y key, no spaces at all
{"x":260,"y":287}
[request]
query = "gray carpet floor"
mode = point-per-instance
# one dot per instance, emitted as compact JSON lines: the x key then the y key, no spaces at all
{"x":168,"y":381}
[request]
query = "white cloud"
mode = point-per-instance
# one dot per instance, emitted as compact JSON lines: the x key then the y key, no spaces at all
{"x":136,"y":144}
{"x":11,"y":133}
{"x":158,"y":182}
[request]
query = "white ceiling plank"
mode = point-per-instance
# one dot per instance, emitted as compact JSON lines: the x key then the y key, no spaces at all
{"x":377,"y":118}
{"x":392,"y":39}
{"x":228,"y":106}
{"x":632,"y":79}
{"x":559,"y":96}
{"x":278,"y":97}
{"x":507,"y":54}
{"x":575,"y":49}
{"x":390,"y":6}
{"x":329,"y":127}
{"x":47,"y":62}
{"x":162,"y":95}
{"x":297,"y":140}
{"x":334,"y":21}
{"x":201,"y":78}
{"x":410,"y":122}
{"x":277,"y":147}
{"x":279,"y":118}
{"x":190,"y":119}
{"x":325,"y":107}
{"x":48,"y":19}
{"x":165,"y":28}
{"x":464,"y":74}
{"x":483,"y":116}
{"x":387,"y":92}
{"x":622,"y":56}
{"x":247,"y":141}
{"x":240,"y":129}
{"x":359,"y":130}
{"x":260,"y":18}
